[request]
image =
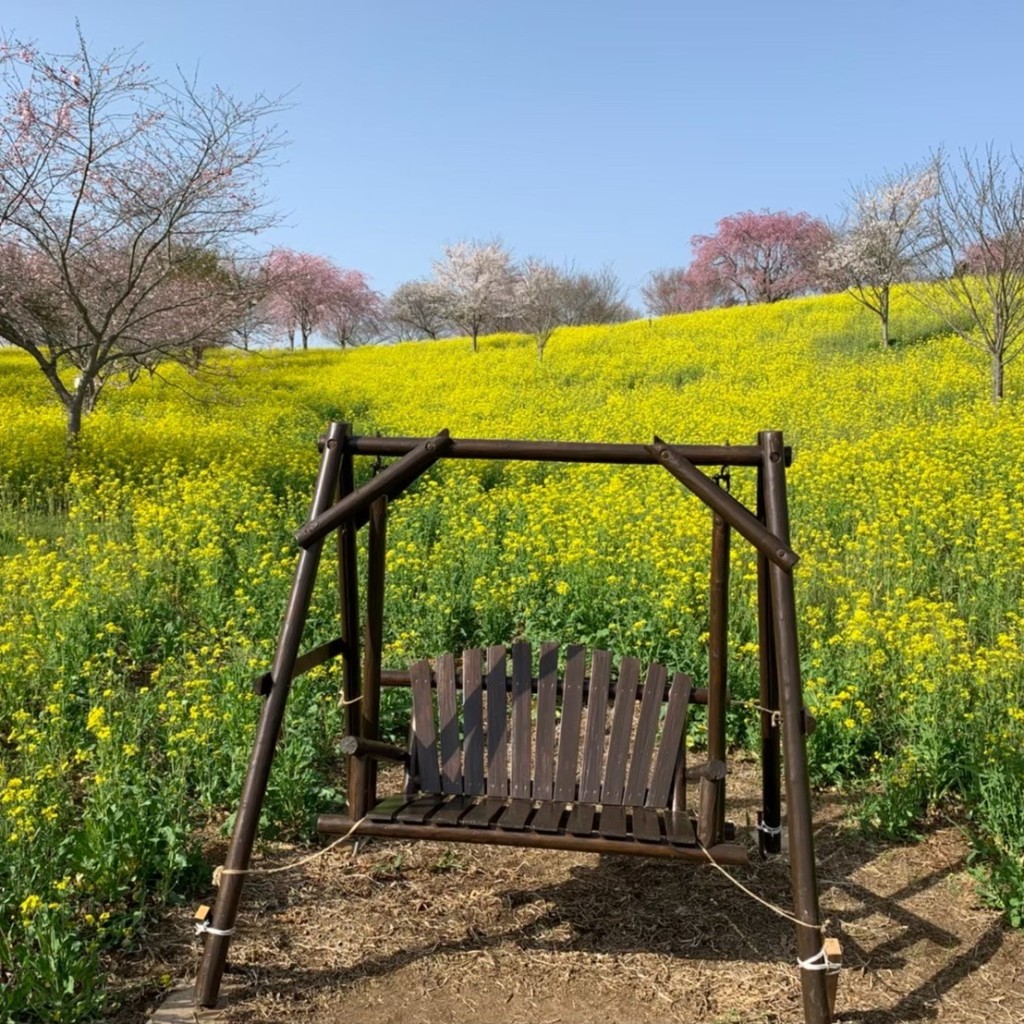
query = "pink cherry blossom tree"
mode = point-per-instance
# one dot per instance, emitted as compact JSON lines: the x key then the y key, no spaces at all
{"x":356,"y":312}
{"x":310,"y":294}
{"x":684,"y":290}
{"x":763,"y":257}
{"x":301,"y":288}
{"x":119,"y":194}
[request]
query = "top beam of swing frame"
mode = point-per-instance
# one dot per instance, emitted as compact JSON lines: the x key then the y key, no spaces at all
{"x":562,"y":451}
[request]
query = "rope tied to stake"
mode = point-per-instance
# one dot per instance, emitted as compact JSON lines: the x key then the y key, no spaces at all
{"x":220,"y":871}
{"x":819,"y":962}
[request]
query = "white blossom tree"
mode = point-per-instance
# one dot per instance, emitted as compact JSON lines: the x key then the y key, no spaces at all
{"x":541,"y":300}
{"x":478,"y":280}
{"x":418,"y":309}
{"x":886,"y":238}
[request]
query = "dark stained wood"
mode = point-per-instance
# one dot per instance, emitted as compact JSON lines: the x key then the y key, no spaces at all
{"x":563,"y":451}
{"x":423,"y":732}
{"x":613,"y":821}
{"x":373,"y":642}
{"x":396,"y":477}
{"x":348,"y":601}
{"x":448,"y":719}
{"x":646,"y":824}
{"x":679,"y":798}
{"x":569,"y":729}
{"x":497,"y":724}
{"x":484,"y":813}
{"x":581,"y":819}
{"x":710,"y":810}
{"x":771,"y":753}
{"x":547,"y":687}
{"x":724,"y":853}
{"x":516,"y":814}
{"x":387,"y":808}
{"x":419,"y":809}
{"x":400,"y":677}
{"x":679,"y":829}
{"x":646,"y":732}
{"x":622,"y":727}
{"x":268,"y":730}
{"x":671,"y":742}
{"x":473,"y":721}
{"x":597,"y":714}
{"x":548,"y":817}
{"x":718,"y":647}
{"x":521,"y":710}
{"x":803,"y":873}
{"x":738,"y":516}
{"x":319,"y":656}
{"x":356,"y":746}
{"x":453,"y":809}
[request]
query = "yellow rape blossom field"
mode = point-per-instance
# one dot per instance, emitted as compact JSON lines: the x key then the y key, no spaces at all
{"x":142,"y":588}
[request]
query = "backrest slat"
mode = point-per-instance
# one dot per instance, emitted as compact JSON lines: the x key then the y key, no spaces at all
{"x":622,"y":727}
{"x":671,"y":741}
{"x":448,"y":720}
{"x":473,"y":721}
{"x":522,"y":700}
{"x":597,"y":713}
{"x":646,"y":731}
{"x":547,"y":695}
{"x":569,"y":730}
{"x":424,"y":734}
{"x":497,"y":727}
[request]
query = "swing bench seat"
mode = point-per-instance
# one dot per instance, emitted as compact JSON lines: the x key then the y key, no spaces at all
{"x":582,"y":762}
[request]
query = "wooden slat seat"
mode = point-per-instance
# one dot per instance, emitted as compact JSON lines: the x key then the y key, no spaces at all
{"x":586,"y":762}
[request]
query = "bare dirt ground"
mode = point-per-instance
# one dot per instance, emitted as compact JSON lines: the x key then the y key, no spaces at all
{"x":417,"y":933}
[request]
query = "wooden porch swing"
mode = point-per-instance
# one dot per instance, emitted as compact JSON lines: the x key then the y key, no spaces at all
{"x":577,"y":757}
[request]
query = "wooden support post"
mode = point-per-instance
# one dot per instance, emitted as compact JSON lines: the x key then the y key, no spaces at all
{"x":769,"y":839}
{"x":372,"y":649}
{"x":236,"y":863}
{"x":348,"y":591}
{"x":712,"y":791}
{"x":803,"y":872}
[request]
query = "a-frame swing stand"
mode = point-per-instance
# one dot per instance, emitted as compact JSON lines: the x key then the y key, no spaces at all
{"x":484,"y":763}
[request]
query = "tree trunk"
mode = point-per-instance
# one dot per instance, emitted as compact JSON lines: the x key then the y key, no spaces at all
{"x":997,"y":377}
{"x":74,"y":420}
{"x":883,"y":313}
{"x":474,"y":339}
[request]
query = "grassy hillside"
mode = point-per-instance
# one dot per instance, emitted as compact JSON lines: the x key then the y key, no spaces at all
{"x":142,"y":590}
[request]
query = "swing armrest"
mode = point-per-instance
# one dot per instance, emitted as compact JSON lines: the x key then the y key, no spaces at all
{"x":356,"y":746}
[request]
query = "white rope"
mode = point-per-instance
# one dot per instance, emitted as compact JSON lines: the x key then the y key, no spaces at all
{"x":203,"y":928}
{"x":819,"y":962}
{"x":348,"y":703}
{"x":220,"y":871}
{"x":753,"y":895}
{"x":769,"y":830}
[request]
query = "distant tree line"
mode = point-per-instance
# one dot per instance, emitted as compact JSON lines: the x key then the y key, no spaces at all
{"x":952,"y":228}
{"x":126,"y":203}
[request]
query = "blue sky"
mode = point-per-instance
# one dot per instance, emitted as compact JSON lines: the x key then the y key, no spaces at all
{"x":597,"y":133}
